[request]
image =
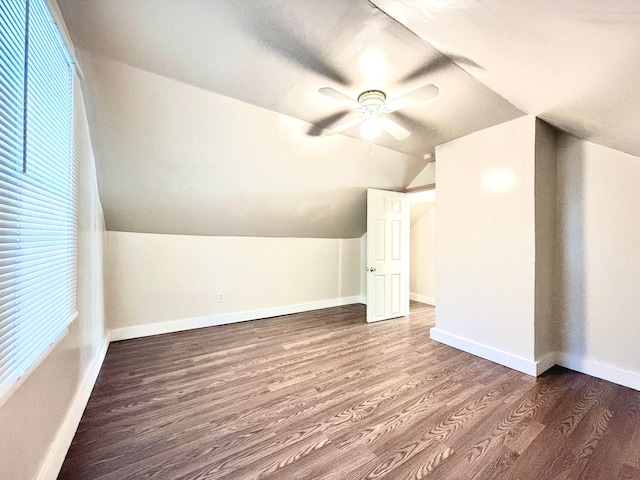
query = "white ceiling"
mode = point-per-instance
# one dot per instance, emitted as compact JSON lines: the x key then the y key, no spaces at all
{"x":572,"y":63}
{"x":277,"y":54}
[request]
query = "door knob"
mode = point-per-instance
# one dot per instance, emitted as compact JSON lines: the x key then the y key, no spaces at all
{"x":371,"y":269}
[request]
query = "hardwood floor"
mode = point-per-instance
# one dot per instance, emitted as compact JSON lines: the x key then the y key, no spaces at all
{"x":323,"y":395}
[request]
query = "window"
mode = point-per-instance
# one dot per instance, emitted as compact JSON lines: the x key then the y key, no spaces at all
{"x":38,"y":190}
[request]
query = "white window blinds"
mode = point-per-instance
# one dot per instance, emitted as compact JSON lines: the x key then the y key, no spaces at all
{"x":38,"y":191}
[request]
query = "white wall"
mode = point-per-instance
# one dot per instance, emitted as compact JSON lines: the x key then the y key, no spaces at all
{"x":423,"y":253}
{"x":39,"y":420}
{"x":598,"y":289}
{"x":363,"y":268}
{"x":426,"y":177}
{"x":157,"y":282}
{"x":548,"y":269}
{"x":545,"y":231}
{"x":485,"y":240}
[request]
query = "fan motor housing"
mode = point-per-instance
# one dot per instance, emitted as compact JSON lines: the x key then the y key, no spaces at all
{"x":372,"y":98}
{"x":372,"y":102}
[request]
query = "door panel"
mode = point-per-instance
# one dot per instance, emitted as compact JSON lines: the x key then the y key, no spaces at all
{"x":395,"y":294}
{"x":380,"y":295}
{"x":396,"y":240}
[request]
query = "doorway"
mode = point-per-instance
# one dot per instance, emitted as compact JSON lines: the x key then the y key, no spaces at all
{"x":422,"y":253}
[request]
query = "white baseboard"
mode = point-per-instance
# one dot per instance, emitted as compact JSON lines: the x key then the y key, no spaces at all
{"x":489,"y":353}
{"x":146,"y":330}
{"x":617,"y":375}
{"x":422,"y":299}
{"x":546,"y":362}
{"x":58,"y":450}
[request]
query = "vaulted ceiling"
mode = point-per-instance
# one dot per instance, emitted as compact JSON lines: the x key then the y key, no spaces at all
{"x":573,"y":63}
{"x":181,"y":98}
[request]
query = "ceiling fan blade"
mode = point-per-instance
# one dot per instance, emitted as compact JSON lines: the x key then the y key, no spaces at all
{"x":419,"y":95}
{"x":339,"y":97}
{"x":432,"y":66}
{"x":393,"y":129}
{"x":413,"y":124}
{"x":272,"y":29}
{"x":319,"y":126}
{"x":344,"y":126}
{"x":435,"y":65}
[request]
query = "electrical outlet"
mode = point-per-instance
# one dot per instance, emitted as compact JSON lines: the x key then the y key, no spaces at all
{"x":221,"y":296}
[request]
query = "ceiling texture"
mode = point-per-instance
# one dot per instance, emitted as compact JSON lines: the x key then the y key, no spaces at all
{"x":570,"y":62}
{"x":573,"y":63}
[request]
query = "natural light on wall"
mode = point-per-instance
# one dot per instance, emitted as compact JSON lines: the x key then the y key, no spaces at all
{"x":498,"y":181}
{"x":424,"y":196}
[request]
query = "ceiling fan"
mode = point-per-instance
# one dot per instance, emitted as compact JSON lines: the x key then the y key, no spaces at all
{"x":373,"y":106}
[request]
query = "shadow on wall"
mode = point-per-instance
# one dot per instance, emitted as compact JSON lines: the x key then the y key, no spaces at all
{"x":571,"y":284}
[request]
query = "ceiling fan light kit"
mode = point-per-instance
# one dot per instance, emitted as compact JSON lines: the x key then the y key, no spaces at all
{"x":372,"y":102}
{"x":371,"y":128}
{"x":373,"y":105}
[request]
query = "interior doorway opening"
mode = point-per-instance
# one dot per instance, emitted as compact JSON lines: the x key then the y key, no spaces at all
{"x":422,"y":255}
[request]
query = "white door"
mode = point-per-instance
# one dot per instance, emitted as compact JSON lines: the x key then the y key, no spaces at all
{"x":387,"y":255}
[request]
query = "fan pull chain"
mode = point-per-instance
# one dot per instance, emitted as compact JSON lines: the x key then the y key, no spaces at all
{"x":370,"y":151}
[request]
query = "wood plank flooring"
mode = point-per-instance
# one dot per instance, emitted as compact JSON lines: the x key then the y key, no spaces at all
{"x":323,"y":395}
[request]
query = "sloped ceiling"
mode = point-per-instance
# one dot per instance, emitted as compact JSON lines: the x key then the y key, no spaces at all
{"x":573,"y":63}
{"x":181,"y":96}
{"x":177,"y":159}
{"x":277,"y":54}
